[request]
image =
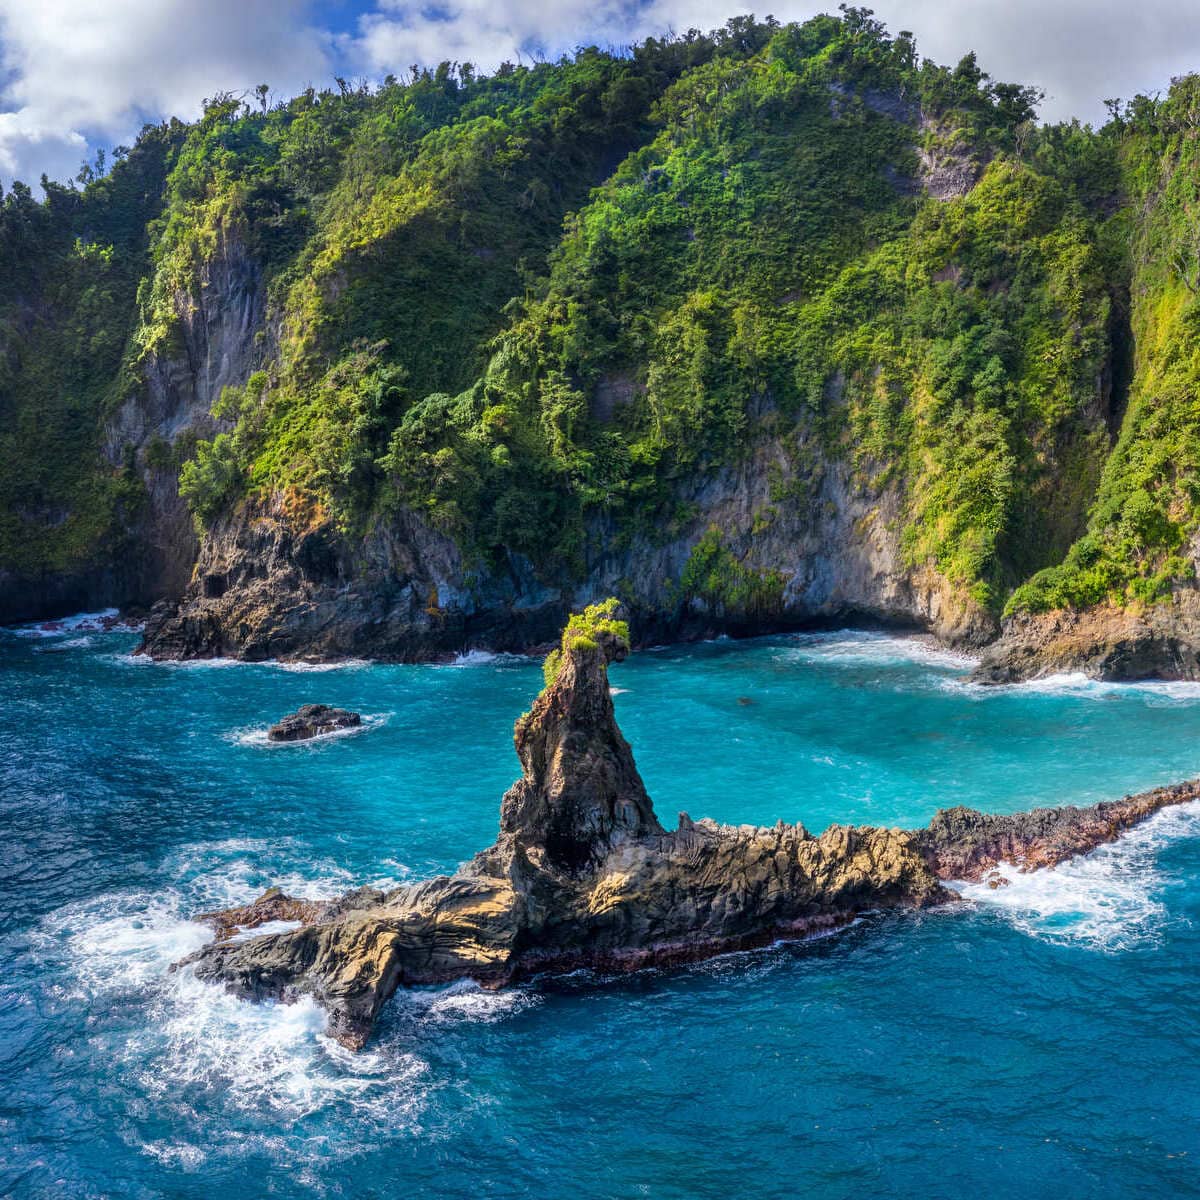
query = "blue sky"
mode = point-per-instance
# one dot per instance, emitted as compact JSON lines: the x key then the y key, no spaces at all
{"x":76,"y":75}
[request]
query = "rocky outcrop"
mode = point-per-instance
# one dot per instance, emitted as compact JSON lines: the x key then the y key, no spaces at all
{"x":1155,"y":641}
{"x":961,"y":843}
{"x":580,"y":795}
{"x":271,"y":585}
{"x":272,"y":905}
{"x":312,"y":720}
{"x":949,"y":165}
{"x":583,"y":874}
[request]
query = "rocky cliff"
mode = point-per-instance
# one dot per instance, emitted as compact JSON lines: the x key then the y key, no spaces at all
{"x":1159,"y":640}
{"x":268,"y":586}
{"x":167,"y":398}
{"x":582,"y":873}
{"x":775,"y":325}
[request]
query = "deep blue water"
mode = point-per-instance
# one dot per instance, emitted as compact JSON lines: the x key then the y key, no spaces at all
{"x":1043,"y":1040}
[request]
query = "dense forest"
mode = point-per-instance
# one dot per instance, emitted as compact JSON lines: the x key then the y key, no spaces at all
{"x":530,"y":309}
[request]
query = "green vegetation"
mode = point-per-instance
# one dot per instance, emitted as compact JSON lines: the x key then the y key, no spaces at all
{"x":583,"y":632}
{"x":714,"y":574}
{"x":69,"y":272}
{"x":1147,"y":507}
{"x":511,"y":302}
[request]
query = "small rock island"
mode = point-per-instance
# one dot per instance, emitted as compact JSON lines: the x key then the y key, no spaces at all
{"x":312,"y":720}
{"x":583,"y":874}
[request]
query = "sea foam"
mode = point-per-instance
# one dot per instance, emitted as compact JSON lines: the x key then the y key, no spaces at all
{"x":486,"y":658}
{"x":187,"y":1042}
{"x":256,"y":736}
{"x":1108,"y":900}
{"x":464,"y":1000}
{"x":1076,"y":684}
{"x":854,"y":646}
{"x":300,"y":667}
{"x":107,"y":620}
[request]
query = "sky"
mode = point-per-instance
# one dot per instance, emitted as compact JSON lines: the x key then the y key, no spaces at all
{"x":79,"y":75}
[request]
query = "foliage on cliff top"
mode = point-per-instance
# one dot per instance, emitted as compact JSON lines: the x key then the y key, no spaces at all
{"x":514,"y":301}
{"x":585,"y":631}
{"x":761,"y":245}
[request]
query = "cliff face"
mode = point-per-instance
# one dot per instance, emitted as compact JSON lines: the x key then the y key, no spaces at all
{"x":730,"y":402}
{"x":1124,"y":601}
{"x":772,"y":326}
{"x":403,"y":591}
{"x":582,"y":873}
{"x":148,"y":548}
{"x":217,"y":342}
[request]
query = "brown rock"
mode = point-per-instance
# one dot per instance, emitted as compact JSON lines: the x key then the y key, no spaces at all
{"x":272,"y":905}
{"x":583,"y":875}
{"x":1107,"y":641}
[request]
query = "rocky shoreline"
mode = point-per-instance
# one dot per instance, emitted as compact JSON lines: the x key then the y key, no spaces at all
{"x":1159,"y":643}
{"x":268,"y":586}
{"x":583,"y":874}
{"x":264,"y":589}
{"x":1155,"y":641}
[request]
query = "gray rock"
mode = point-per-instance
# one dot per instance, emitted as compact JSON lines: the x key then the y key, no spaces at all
{"x":312,"y":720}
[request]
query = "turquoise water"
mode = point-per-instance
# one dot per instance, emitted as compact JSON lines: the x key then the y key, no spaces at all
{"x":1040,"y":1040}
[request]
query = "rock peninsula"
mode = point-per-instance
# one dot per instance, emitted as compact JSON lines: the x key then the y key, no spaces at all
{"x":584,"y":875}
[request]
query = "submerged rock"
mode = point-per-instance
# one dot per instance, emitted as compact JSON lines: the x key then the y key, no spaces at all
{"x":584,"y":875}
{"x":311,"y":720}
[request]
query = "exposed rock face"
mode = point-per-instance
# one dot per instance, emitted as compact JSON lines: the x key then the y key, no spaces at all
{"x":218,"y":341}
{"x":264,"y":587}
{"x":268,"y":585}
{"x":221,"y":337}
{"x":583,"y":875}
{"x":312,"y":720}
{"x":1158,"y":641}
{"x":961,"y":843}
{"x":581,"y":795}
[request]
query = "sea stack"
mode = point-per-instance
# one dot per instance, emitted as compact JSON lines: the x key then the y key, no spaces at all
{"x":583,"y":874}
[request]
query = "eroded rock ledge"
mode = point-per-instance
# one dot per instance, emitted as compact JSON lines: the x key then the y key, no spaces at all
{"x":584,"y":875}
{"x":1154,"y":641}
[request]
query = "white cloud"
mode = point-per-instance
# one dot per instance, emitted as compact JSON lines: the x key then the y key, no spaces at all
{"x":1079,"y":51}
{"x":484,"y":32}
{"x":78,"y":71}
{"x":77,"y":74}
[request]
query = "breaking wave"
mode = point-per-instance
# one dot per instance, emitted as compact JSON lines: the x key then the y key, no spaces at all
{"x":487,"y":658}
{"x":1109,"y":900}
{"x":107,"y":620}
{"x":860,"y":646}
{"x":190,"y":1045}
{"x":1077,"y":684}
